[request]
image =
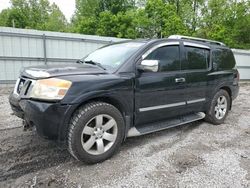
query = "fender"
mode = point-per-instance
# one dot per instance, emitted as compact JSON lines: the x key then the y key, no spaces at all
{"x":115,"y":97}
{"x":215,"y":89}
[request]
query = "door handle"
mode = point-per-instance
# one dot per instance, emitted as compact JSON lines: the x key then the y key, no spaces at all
{"x":180,"y":80}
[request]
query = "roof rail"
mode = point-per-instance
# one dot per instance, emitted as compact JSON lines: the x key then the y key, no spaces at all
{"x":196,"y":39}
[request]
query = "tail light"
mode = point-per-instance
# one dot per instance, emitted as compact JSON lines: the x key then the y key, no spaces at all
{"x":236,"y":77}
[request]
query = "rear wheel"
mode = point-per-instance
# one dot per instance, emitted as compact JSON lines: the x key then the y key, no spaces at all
{"x":219,"y":108}
{"x":95,"y":132}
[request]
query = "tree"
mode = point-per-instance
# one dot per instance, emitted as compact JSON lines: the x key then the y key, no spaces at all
{"x":104,"y":17}
{"x":143,"y":25}
{"x":87,"y":25}
{"x":38,"y":13}
{"x":56,"y":20}
{"x":173,"y":24}
{"x":163,"y":18}
{"x":223,"y":20}
{"x":17,"y":15}
{"x":85,"y":17}
{"x":126,"y":26}
{"x":4,"y":15}
{"x":106,"y":24}
{"x":155,"y":10}
{"x":86,"y":8}
{"x":240,"y":20}
{"x":35,"y":14}
{"x":116,"y":6}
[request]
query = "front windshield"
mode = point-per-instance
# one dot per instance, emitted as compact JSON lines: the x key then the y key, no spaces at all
{"x":111,"y":57}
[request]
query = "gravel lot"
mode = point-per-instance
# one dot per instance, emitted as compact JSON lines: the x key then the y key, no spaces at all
{"x":194,"y":155}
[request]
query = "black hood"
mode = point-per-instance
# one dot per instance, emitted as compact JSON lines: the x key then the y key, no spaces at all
{"x":47,"y":71}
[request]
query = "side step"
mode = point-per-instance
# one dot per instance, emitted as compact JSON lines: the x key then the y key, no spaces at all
{"x":153,"y":127}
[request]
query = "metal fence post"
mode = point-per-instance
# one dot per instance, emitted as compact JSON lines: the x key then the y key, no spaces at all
{"x":44,"y":49}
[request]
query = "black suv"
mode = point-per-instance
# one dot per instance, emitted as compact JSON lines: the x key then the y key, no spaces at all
{"x":127,"y":89}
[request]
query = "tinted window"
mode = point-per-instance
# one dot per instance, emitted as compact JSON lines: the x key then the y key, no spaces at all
{"x":168,"y":57}
{"x":196,"y":58}
{"x":223,"y":59}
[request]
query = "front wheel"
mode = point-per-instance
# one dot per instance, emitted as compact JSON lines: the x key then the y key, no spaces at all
{"x":95,"y":132}
{"x":219,"y":108}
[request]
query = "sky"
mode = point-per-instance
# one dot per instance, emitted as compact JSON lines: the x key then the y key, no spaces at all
{"x":66,"y":6}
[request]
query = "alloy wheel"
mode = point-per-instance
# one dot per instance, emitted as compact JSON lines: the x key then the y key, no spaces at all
{"x":221,"y":107}
{"x":99,"y":134}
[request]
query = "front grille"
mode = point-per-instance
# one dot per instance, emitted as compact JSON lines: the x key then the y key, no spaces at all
{"x":22,"y":86}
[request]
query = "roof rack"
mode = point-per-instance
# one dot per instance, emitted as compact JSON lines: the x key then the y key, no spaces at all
{"x":196,"y":39}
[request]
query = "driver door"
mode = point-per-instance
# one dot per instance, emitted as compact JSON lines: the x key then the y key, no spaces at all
{"x":160,"y":95}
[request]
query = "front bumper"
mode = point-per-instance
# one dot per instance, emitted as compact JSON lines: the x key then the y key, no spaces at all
{"x":50,"y":119}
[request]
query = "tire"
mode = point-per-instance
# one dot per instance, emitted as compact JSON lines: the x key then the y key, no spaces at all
{"x":98,"y":124}
{"x":212,"y":115}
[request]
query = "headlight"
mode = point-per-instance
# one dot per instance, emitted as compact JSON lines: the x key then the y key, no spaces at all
{"x":51,"y":89}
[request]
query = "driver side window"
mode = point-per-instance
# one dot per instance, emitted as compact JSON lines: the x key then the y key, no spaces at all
{"x":168,"y":57}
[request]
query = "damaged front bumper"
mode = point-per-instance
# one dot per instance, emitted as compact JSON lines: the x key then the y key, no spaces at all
{"x":49,"y":118}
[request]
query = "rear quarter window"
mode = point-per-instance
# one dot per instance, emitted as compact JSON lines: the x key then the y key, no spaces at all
{"x":223,"y":59}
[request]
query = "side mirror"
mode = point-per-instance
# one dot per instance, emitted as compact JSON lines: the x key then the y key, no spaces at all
{"x":148,"y":66}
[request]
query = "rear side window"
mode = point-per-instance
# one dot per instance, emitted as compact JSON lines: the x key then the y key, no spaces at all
{"x":168,"y":57}
{"x":196,"y":58}
{"x":223,"y":59}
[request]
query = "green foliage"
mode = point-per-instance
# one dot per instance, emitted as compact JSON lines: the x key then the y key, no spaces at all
{"x":86,"y":25}
{"x":35,"y":14}
{"x":125,"y":25}
{"x":116,"y":6}
{"x":142,"y":23}
{"x":87,"y":8}
{"x":4,"y":17}
{"x":17,"y":15}
{"x":106,"y":24}
{"x":56,"y":20}
{"x":224,"y":20}
{"x":227,"y":21}
{"x":156,"y":11}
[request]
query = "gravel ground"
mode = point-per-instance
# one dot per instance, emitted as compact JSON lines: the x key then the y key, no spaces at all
{"x":194,"y":155}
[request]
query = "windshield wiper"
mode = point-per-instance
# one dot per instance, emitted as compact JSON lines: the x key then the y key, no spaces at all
{"x":93,"y":63}
{"x":80,"y":61}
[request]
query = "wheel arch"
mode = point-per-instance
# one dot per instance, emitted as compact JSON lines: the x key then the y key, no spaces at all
{"x":107,"y":99}
{"x":123,"y":108}
{"x":229,"y":91}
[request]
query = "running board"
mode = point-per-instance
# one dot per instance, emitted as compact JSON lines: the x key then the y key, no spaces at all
{"x":153,"y":127}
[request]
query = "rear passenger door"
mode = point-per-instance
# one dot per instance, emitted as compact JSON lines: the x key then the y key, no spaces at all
{"x":196,"y":65}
